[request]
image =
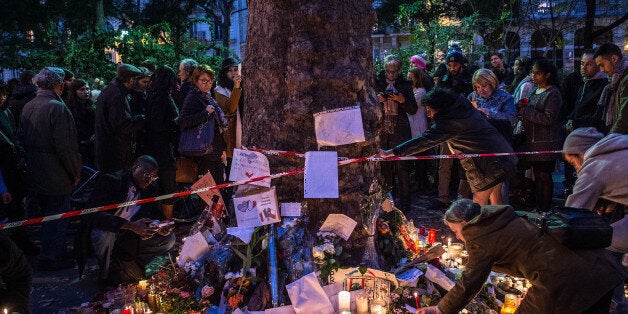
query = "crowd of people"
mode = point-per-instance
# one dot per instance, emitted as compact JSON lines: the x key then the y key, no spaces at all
{"x":54,"y":127}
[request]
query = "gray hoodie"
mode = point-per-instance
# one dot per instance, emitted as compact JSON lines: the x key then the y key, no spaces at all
{"x":603,"y":175}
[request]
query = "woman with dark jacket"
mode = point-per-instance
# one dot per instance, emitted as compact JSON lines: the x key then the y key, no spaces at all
{"x":161,"y":128}
{"x":563,"y":280}
{"x":543,"y":129}
{"x":197,"y":109}
{"x":84,"y":112}
{"x":466,"y":131}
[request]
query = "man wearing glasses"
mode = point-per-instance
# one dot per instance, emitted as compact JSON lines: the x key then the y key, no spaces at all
{"x":115,"y":123}
{"x":125,"y":240}
{"x":397,"y":99}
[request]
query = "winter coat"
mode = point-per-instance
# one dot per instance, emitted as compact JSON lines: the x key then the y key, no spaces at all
{"x":115,"y":128}
{"x":621,"y":102}
{"x":585,"y":105}
{"x":563,"y":281}
{"x":543,"y":130}
{"x":500,"y":105}
{"x":193,"y":114}
{"x":602,"y":176}
{"x":402,"y":131}
{"x":228,"y":101}
{"x":21,"y":95}
{"x":466,"y":131}
{"x":49,"y":138}
{"x":460,"y":83}
{"x":161,"y":115}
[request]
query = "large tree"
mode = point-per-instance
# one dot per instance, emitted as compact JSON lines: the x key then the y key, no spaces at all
{"x":303,"y":57}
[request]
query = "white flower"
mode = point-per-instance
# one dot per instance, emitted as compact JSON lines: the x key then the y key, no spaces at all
{"x":329,"y":248}
{"x":318,"y":253}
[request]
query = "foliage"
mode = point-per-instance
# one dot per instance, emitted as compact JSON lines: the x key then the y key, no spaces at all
{"x":328,"y":254}
{"x":177,"y":290}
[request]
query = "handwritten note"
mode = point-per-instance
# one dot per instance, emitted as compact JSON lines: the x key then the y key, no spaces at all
{"x":206,"y":181}
{"x":291,"y":209}
{"x":194,"y":248}
{"x":257,"y":209}
{"x":247,"y":165}
{"x":339,"y":126}
{"x":341,"y":225}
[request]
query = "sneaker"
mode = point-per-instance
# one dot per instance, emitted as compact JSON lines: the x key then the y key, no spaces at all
{"x":44,"y":265}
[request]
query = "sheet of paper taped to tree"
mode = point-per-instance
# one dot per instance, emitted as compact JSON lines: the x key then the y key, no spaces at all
{"x":339,"y":126}
{"x":257,"y":209}
{"x":321,"y":175}
{"x":247,"y":165}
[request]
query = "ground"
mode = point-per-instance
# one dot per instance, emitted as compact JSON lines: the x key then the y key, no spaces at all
{"x":60,"y":291}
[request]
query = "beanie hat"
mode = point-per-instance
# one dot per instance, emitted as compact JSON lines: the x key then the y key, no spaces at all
{"x":126,"y":71}
{"x":456,"y":56}
{"x":229,"y":62}
{"x":580,"y":140}
{"x":418,"y":61}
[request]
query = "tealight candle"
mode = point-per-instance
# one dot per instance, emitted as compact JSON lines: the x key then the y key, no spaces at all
{"x":142,"y":285}
{"x":362,"y":304}
{"x":344,"y":301}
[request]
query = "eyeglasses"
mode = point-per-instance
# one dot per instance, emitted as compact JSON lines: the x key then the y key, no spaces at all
{"x":392,"y":71}
{"x":150,"y":176}
{"x":204,"y":82}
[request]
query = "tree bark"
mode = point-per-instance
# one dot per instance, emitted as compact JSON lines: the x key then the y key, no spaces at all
{"x":304,"y":57}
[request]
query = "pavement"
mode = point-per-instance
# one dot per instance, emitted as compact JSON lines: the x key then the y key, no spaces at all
{"x":63,"y":291}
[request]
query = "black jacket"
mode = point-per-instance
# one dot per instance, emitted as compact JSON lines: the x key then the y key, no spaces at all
{"x":193,"y":113}
{"x":460,"y":83}
{"x":21,"y":95}
{"x":115,"y":128}
{"x":583,"y":114}
{"x":110,"y":189}
{"x":402,"y":124}
{"x":466,"y":131}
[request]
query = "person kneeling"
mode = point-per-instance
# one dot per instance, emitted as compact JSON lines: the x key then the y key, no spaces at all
{"x":124,"y":240}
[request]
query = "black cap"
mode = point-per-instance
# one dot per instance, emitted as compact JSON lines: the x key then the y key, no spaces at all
{"x":229,"y":62}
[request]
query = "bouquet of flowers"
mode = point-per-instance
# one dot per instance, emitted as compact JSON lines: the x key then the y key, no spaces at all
{"x":328,"y":254}
{"x":178,"y":291}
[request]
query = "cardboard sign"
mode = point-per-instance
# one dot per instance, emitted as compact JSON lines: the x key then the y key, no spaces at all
{"x":206,"y":181}
{"x":321,"y":175}
{"x":339,"y":126}
{"x":257,"y":210}
{"x":247,"y":165}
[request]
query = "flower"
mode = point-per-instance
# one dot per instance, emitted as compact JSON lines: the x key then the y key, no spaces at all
{"x":318,"y":253}
{"x":207,"y":291}
{"x":185,"y":294}
{"x":234,"y":301}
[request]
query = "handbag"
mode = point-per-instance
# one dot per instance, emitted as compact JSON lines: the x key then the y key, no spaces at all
{"x":197,"y":141}
{"x":187,"y":170}
{"x":575,"y":228}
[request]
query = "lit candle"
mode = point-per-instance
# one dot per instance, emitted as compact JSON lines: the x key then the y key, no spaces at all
{"x":142,"y":285}
{"x":6,"y":311}
{"x":378,"y":307}
{"x":344,"y":301}
{"x":362,"y":304}
{"x":127,"y":310}
{"x":416,"y":299}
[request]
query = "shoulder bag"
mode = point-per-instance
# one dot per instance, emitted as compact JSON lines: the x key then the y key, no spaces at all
{"x":197,"y":141}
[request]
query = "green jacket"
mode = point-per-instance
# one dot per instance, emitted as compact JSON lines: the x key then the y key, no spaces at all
{"x":563,"y":280}
{"x":621,"y":101}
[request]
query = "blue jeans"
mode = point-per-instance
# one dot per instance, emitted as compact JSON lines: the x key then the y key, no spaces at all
{"x":53,"y":233}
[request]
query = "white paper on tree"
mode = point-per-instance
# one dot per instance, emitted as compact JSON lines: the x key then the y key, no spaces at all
{"x":194,"y":248}
{"x":291,"y":209}
{"x":257,"y":209}
{"x":339,"y":126}
{"x":247,"y":165}
{"x":341,"y":225}
{"x":321,"y":175}
{"x":307,"y":295}
{"x":206,"y":181}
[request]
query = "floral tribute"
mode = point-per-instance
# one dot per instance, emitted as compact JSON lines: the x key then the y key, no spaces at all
{"x":328,"y":254}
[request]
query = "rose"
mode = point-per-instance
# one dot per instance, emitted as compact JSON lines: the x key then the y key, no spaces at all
{"x":329,"y":248}
{"x":207,"y":291}
{"x":318,"y":253}
{"x":184,"y":294}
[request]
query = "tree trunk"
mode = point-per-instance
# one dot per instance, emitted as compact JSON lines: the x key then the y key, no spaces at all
{"x":100,"y":16}
{"x":304,"y":57}
{"x":589,"y":20}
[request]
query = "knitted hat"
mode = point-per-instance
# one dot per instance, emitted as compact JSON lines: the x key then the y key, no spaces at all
{"x":455,"y":55}
{"x":229,"y":62}
{"x":580,"y":140}
{"x":418,"y":61}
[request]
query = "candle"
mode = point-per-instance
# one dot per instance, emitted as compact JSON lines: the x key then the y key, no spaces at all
{"x":378,"y":306}
{"x":362,"y":304}
{"x":416,"y":299}
{"x":127,"y":310}
{"x":344,"y":301}
{"x":431,"y":236}
{"x":6,"y":311}
{"x":510,"y":304}
{"x":142,"y":285}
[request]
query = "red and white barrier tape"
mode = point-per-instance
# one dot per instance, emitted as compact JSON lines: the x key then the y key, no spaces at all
{"x":33,"y":221}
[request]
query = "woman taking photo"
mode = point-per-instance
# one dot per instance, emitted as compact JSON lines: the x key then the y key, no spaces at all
{"x":563,"y":280}
{"x":543,"y":130}
{"x":161,"y":114}
{"x":197,"y":109}
{"x":84,"y":112}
